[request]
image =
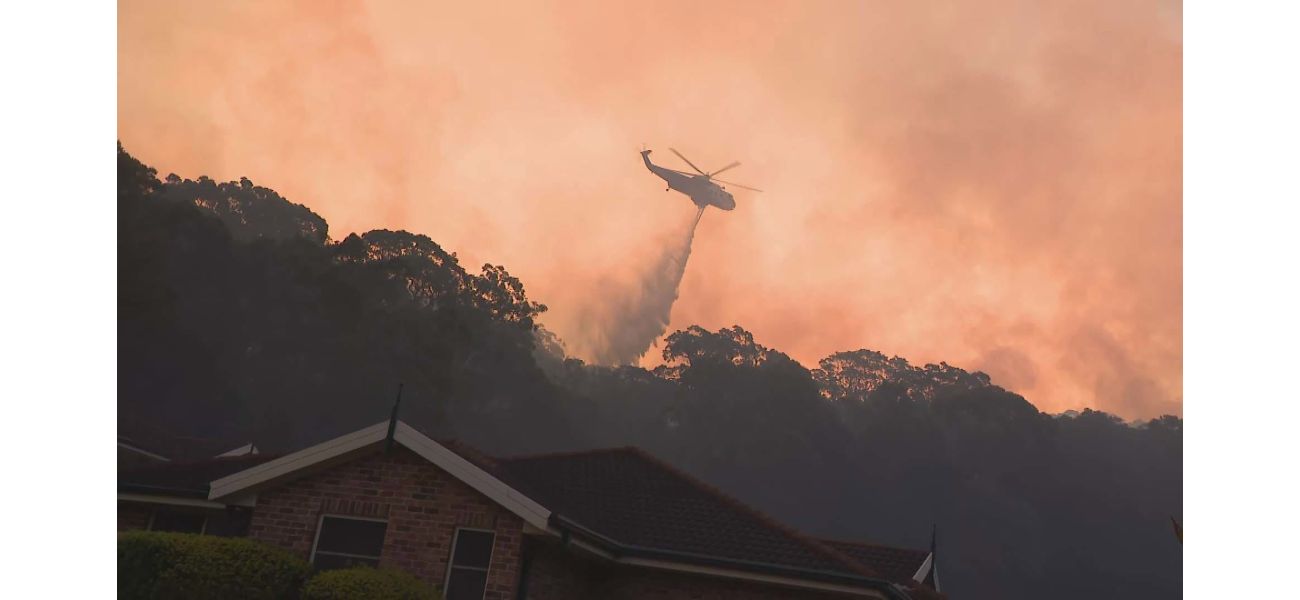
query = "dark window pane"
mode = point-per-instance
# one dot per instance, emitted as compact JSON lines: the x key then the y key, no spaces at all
{"x":180,"y":522}
{"x":325,"y":562}
{"x":466,"y":584}
{"x":351,"y":536}
{"x":473,"y":548}
{"x":228,"y":524}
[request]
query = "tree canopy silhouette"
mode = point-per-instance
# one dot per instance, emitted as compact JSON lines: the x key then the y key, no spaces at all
{"x":240,"y":318}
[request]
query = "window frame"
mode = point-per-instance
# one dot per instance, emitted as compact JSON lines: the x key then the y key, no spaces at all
{"x":451,"y":558}
{"x":320,"y":525}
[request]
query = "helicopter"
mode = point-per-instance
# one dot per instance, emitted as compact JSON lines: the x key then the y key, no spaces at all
{"x":701,"y":188}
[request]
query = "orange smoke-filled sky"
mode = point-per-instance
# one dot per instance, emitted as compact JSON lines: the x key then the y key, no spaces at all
{"x":996,"y":184}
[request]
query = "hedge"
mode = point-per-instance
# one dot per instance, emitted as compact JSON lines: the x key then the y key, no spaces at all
{"x":153,"y":564}
{"x":360,"y":583}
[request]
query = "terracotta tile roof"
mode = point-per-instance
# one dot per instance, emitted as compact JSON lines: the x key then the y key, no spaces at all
{"x":895,"y":564}
{"x":637,"y":499}
{"x":189,"y":479}
{"x":642,"y":503}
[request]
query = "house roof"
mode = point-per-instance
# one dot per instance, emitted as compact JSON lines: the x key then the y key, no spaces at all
{"x":189,"y":479}
{"x":629,"y":504}
{"x":633,"y":498}
{"x":643,"y":504}
{"x":171,"y":446}
{"x":345,"y":447}
{"x":894,"y":564}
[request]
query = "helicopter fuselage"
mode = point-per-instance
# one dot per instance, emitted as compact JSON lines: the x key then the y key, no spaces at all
{"x":699,"y":188}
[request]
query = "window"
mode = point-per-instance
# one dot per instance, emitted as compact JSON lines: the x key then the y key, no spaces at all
{"x":346,"y":542}
{"x":177,"y":521}
{"x":232,"y":522}
{"x":471,"y":552}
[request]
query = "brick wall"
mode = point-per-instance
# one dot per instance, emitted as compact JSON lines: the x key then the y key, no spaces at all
{"x":422,"y":503}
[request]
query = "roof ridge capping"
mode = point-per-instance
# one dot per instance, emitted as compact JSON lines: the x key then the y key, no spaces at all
{"x":852,"y":565}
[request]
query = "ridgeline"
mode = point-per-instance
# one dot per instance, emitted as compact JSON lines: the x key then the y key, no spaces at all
{"x":240,"y":318}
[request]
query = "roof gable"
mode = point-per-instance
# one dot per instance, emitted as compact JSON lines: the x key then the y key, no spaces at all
{"x":369,"y":439}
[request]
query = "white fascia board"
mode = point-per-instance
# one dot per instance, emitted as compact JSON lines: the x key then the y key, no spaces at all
{"x":290,"y":463}
{"x":511,"y":499}
{"x":924,"y":569}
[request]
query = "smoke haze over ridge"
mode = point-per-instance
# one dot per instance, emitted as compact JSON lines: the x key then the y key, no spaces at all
{"x":993,"y":184}
{"x":630,"y":320}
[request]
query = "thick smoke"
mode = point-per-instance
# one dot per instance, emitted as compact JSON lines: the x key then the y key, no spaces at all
{"x":632,"y":322}
{"x":985,"y":175}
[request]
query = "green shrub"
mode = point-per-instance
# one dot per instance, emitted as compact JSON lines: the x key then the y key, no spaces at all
{"x":153,"y":564}
{"x":360,"y":583}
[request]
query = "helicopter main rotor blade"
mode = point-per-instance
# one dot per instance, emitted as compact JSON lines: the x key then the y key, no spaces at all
{"x":688,"y":161}
{"x":743,"y":187}
{"x":730,"y":166}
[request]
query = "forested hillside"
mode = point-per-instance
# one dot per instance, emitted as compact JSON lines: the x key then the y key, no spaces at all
{"x":242,"y":317}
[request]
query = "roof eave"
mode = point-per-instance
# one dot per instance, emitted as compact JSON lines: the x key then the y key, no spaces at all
{"x":162,"y":490}
{"x":628,"y":554}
